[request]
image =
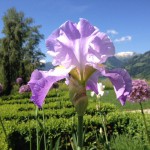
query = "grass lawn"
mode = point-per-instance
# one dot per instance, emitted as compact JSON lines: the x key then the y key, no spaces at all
{"x":111,"y":98}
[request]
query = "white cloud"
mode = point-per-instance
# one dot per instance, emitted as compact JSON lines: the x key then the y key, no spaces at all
{"x":112,"y":31}
{"x":123,"y":39}
{"x":43,"y":61}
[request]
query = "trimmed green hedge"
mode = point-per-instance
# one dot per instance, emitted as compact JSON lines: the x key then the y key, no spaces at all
{"x":117,"y":123}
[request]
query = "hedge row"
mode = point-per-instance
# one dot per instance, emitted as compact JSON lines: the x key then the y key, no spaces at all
{"x":63,"y":128}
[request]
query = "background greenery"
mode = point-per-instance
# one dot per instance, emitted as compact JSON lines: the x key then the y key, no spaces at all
{"x":60,"y":121}
{"x":57,"y":121}
{"x":137,"y":66}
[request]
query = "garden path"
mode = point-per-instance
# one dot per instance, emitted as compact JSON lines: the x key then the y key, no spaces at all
{"x":147,"y":111}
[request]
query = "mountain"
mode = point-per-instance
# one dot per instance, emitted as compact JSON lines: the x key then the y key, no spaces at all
{"x":125,"y":56}
{"x":119,"y":60}
{"x":114,"y":62}
{"x":46,"y":66}
{"x":139,"y":66}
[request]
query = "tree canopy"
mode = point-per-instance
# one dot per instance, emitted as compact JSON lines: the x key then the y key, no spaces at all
{"x":19,"y":48}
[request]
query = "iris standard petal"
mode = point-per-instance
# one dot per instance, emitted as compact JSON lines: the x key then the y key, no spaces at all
{"x":42,"y":81}
{"x":61,"y":45}
{"x":51,"y":42}
{"x":70,"y":30}
{"x":101,"y":48}
{"x":79,"y":45}
{"x":85,"y":28}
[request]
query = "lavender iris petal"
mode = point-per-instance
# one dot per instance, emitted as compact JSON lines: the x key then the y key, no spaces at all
{"x":121,"y":81}
{"x":40,"y":83}
{"x":78,"y":44}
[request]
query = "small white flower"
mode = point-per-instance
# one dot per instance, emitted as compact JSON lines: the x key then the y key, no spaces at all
{"x":92,"y":93}
{"x":100,"y":88}
{"x":101,"y":130}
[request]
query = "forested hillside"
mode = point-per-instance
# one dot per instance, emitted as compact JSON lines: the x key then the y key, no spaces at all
{"x":139,"y":66}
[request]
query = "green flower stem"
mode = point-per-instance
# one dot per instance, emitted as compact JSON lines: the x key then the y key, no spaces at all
{"x":44,"y":130}
{"x":30,"y":135}
{"x":104,"y":123}
{"x":105,"y":130}
{"x":37,"y":131}
{"x":80,"y":133}
{"x":3,"y":127}
{"x":144,"y":119}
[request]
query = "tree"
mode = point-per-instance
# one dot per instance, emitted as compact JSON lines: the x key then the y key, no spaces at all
{"x":19,"y":48}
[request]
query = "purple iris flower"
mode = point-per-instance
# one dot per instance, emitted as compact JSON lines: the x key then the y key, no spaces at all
{"x":19,"y":81}
{"x":24,"y":88}
{"x":80,"y":51}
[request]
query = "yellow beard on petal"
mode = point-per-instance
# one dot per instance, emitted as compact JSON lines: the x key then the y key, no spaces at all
{"x":101,"y":65}
{"x":75,"y":73}
{"x":60,"y":68}
{"x":89,"y":70}
{"x":82,"y":75}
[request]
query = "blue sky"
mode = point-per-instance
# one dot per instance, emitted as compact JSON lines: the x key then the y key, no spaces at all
{"x":127,"y":22}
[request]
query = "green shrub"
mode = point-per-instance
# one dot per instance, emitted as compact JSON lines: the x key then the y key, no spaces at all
{"x":127,"y":142}
{"x":128,"y":122}
{"x":117,"y":123}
